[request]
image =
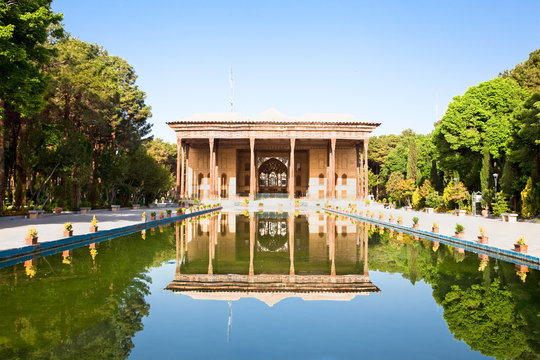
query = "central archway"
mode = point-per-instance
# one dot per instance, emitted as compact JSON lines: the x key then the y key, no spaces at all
{"x":272,"y":176}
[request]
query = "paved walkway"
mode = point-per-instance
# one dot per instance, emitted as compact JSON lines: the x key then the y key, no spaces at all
{"x":502,"y":235}
{"x":51,"y":226}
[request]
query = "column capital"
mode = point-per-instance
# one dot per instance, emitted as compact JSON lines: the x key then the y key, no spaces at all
{"x":178,"y":140}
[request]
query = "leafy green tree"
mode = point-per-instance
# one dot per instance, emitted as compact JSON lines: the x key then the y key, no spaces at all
{"x":481,"y":117}
{"x":163,"y":152}
{"x":455,"y":194}
{"x":485,"y":176}
{"x":527,"y":74}
{"x":25,"y":26}
{"x":530,"y":201}
{"x":412,"y":160}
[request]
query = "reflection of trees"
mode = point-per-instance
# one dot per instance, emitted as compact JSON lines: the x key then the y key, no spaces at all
{"x":69,"y":312}
{"x":491,"y":325}
{"x":273,"y":235}
{"x":492,"y":311}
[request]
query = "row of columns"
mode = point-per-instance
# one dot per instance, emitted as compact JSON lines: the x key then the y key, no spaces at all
{"x":362,"y":188}
{"x":362,"y":243}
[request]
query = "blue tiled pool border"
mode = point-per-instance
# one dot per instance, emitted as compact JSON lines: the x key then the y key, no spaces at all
{"x":13,"y":256}
{"x":494,"y":252}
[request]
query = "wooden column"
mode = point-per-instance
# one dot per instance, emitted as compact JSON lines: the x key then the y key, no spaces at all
{"x":361,"y":174}
{"x":215,"y":184}
{"x":331,"y":231}
{"x":366,"y":235}
{"x":358,"y":173}
{"x":291,"y":170}
{"x":183,"y":178}
{"x":252,"y":183}
{"x":211,"y":168}
{"x":187,"y":189}
{"x":332,"y":175}
{"x":366,"y":184}
{"x":179,"y":163}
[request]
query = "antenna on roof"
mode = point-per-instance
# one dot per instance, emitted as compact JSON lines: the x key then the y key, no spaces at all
{"x":232,"y":90}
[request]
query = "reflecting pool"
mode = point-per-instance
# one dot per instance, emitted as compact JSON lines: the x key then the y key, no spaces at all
{"x":268,"y":286}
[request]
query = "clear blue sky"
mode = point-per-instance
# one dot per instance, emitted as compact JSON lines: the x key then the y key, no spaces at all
{"x":382,"y":61}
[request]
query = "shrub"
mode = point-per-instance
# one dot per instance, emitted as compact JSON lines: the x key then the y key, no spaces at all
{"x":169,"y":211}
{"x":433,"y":199}
{"x":521,"y":240}
{"x":530,"y":200}
{"x":153,"y":214}
{"x":144,"y":214}
{"x":415,"y":220}
{"x":460,"y":228}
{"x":501,"y":206}
{"x":68,"y":226}
{"x":482,"y":231}
{"x":94,"y":221}
{"x":455,"y":194}
{"x":435,"y":226}
{"x":32,"y":232}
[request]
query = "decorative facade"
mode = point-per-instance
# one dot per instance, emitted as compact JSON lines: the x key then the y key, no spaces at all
{"x":314,"y":156}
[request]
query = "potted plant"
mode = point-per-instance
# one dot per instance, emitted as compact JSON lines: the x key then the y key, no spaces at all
{"x":68,"y":229}
{"x":391,"y":218}
{"x":460,"y":231}
{"x":161,"y":214}
{"x":520,"y":245}
{"x":31,"y":237}
{"x":296,"y":204}
{"x":93,"y":223}
{"x":143,"y":216}
{"x":261,"y":205}
{"x":482,"y":238}
{"x":399,"y":220}
{"x":169,"y":212}
{"x":245,"y":203}
{"x":381,"y":215}
{"x":153,"y":215}
{"x":436,"y":245}
{"x":415,"y":222}
{"x":435,"y":228}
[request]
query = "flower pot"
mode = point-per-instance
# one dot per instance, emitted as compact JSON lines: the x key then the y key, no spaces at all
{"x":93,"y":229}
{"x":31,"y":240}
{"x":460,"y":250}
{"x":435,"y":230}
{"x":68,"y":233}
{"x":168,"y":215}
{"x":152,"y":218}
{"x":161,"y":216}
{"x":391,"y":221}
{"x":143,"y":219}
{"x":400,"y":222}
{"x":57,"y":210}
{"x":416,"y":226}
{"x":522,"y":268}
{"x":482,"y":239}
{"x":483,"y":257}
{"x":521,"y":248}
{"x":459,"y":235}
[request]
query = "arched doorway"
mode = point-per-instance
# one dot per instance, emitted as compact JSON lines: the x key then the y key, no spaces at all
{"x":272,"y":176}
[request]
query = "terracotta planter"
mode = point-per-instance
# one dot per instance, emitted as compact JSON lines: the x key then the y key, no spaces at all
{"x":93,"y":229}
{"x":400,"y":222}
{"x":391,"y":221}
{"x":435,"y":230}
{"x":168,"y":215}
{"x":152,"y":218}
{"x":459,"y":235}
{"x":416,"y":226}
{"x":460,"y":251}
{"x":57,"y":210}
{"x":483,"y":257}
{"x":521,"y":248}
{"x":522,"y":268}
{"x":161,"y":216}
{"x":31,"y":240}
{"x":68,"y":233}
{"x":143,"y":219}
{"x":482,"y":239}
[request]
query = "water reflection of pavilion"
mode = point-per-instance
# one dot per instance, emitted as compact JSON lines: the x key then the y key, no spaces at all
{"x":228,"y":257}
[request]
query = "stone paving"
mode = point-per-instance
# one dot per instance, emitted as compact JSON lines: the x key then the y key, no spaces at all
{"x":51,"y":226}
{"x":501,"y":234}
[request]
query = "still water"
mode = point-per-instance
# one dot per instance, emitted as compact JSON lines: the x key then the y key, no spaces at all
{"x":268,"y":286}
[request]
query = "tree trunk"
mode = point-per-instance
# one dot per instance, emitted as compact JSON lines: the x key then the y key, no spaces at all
{"x":2,"y":163}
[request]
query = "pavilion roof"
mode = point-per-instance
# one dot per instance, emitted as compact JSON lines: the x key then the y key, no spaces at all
{"x":272,"y":116}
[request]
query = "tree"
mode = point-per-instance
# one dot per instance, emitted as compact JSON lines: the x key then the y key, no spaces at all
{"x":481,"y":117}
{"x":412,"y":160}
{"x":485,"y":175}
{"x":455,"y":195}
{"x":527,"y":74}
{"x":25,"y":26}
{"x":164,"y":153}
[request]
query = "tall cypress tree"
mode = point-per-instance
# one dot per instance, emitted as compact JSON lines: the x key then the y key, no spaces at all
{"x":484,"y":175}
{"x":412,"y":160}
